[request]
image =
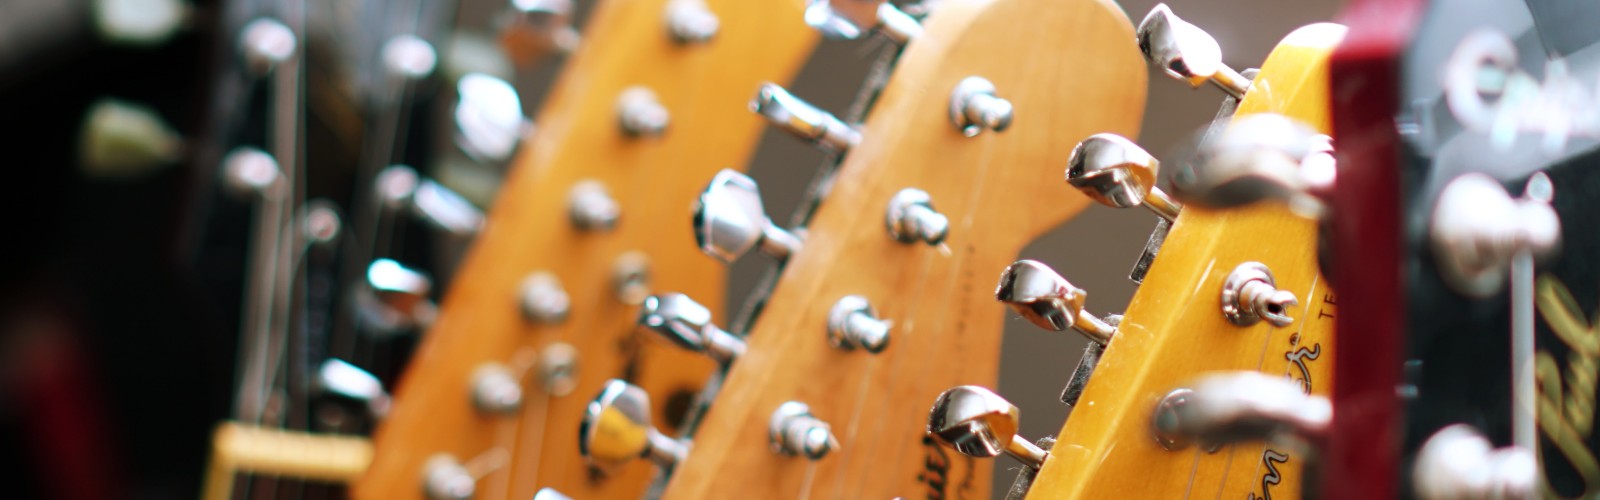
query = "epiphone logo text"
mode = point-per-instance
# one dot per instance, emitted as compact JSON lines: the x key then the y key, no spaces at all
{"x":1566,"y":402}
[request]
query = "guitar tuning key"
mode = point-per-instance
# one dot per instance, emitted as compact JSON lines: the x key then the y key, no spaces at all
{"x":488,"y":118}
{"x":400,"y":187}
{"x":640,"y":114}
{"x":558,"y":368}
{"x":534,"y":29}
{"x":320,"y":223}
{"x":849,"y":19}
{"x":445,"y":478}
{"x":121,"y":140}
{"x":684,"y":322}
{"x":141,"y":24}
{"x":616,"y":429}
{"x":549,"y":494}
{"x":975,"y":108}
{"x":1186,"y":52}
{"x":794,"y":431}
{"x":1263,"y":156}
{"x":264,"y":44}
{"x":1250,"y":295}
{"x":800,"y":119}
{"x":394,"y":298}
{"x":1114,"y":171}
{"x":630,"y":277}
{"x":409,"y":57}
{"x":250,"y":173}
{"x":495,"y":390}
{"x":911,"y":218}
{"x":1457,"y":463}
{"x":1048,"y":300}
{"x":591,"y":207}
{"x":729,"y":221}
{"x":1478,"y":228}
{"x":852,"y":323}
{"x":339,"y":378}
{"x":691,"y":21}
{"x":543,"y":299}
{"x":1234,"y":407}
{"x":979,"y":423}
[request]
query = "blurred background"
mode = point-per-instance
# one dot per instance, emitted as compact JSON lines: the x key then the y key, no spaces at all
{"x":121,"y":281}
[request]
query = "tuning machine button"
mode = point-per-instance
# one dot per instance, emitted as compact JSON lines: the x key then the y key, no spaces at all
{"x":1048,"y":300}
{"x":1234,"y":407}
{"x":265,"y":43}
{"x":394,"y":298}
{"x":549,"y":494}
{"x":121,"y":140}
{"x":802,"y":120}
{"x":640,"y":114}
{"x":339,"y":378}
{"x":729,"y":221}
{"x":400,"y":188}
{"x":495,"y":390}
{"x":591,"y":207}
{"x":444,"y":478}
{"x":616,"y":429}
{"x":409,"y":57}
{"x":1478,"y":228}
{"x":979,"y":423}
{"x":849,"y":19}
{"x":1186,"y":52}
{"x":852,"y":323}
{"x":543,"y":299}
{"x":1114,"y":171}
{"x":679,"y":319}
{"x":794,"y":431}
{"x":1458,"y":463}
{"x":630,"y":277}
{"x":911,"y":218}
{"x":1262,"y":156}
{"x":691,"y":21}
{"x":251,"y":173}
{"x":558,"y":368}
{"x":975,"y":108}
{"x":1250,"y":295}
{"x":488,"y":118}
{"x":534,"y":29}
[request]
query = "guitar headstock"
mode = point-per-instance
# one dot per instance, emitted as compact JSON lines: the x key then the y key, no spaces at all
{"x":591,"y":219}
{"x":886,"y":302}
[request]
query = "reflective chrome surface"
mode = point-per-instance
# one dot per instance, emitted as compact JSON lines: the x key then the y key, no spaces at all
{"x":1230,"y":407}
{"x":630,"y":277}
{"x":409,"y":57}
{"x":911,"y":218}
{"x":542,"y":298}
{"x":1186,"y":52}
{"x":1114,"y":171}
{"x":852,"y":323}
{"x":1458,"y":463}
{"x":446,"y":210}
{"x":1045,"y":298}
{"x":488,"y":118}
{"x":801,"y":119}
{"x":249,"y":172}
{"x":979,"y":423}
{"x":496,"y":390}
{"x":729,"y":220}
{"x":1258,"y":157}
{"x":792,"y":430}
{"x":444,"y":478}
{"x":400,"y":289}
{"x":345,"y":380}
{"x":590,"y":206}
{"x":533,"y":29}
{"x":975,"y":108}
{"x":1249,"y":295}
{"x":640,"y":114}
{"x":690,"y":21}
{"x":558,"y":368}
{"x":850,"y":19}
{"x":616,"y":429}
{"x":1477,"y":227}
{"x":265,"y":43}
{"x":679,"y":319}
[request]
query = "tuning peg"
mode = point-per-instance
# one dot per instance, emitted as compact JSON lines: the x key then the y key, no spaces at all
{"x":729,"y":221}
{"x":488,"y":117}
{"x":691,"y":21}
{"x":1259,"y":157}
{"x":123,"y":140}
{"x":320,"y":222}
{"x":445,"y":478}
{"x":979,"y":423}
{"x":616,"y":429}
{"x":558,"y":368}
{"x":139,"y":23}
{"x":1240,"y":406}
{"x":533,"y":29}
{"x":349,"y":381}
{"x":250,"y":173}
{"x":1250,"y":295}
{"x":630,"y":277}
{"x":1036,"y":292}
{"x":681,"y":320}
{"x":911,"y":218}
{"x":591,"y":207}
{"x":1478,"y":227}
{"x":852,"y":323}
{"x":399,"y":187}
{"x":265,"y":43}
{"x":1458,"y":463}
{"x":848,"y":19}
{"x":640,"y":114}
{"x":409,"y":57}
{"x":495,"y":390}
{"x":1186,"y":52}
{"x":794,"y":431}
{"x":802,"y":120}
{"x":543,"y":300}
{"x":1118,"y":173}
{"x":974,"y":107}
{"x":549,"y":494}
{"x":394,"y":298}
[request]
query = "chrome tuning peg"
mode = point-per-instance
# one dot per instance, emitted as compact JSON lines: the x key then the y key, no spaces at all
{"x":591,"y":207}
{"x":400,"y":187}
{"x":729,"y":221}
{"x":1459,"y":463}
{"x":1259,"y":157}
{"x":800,"y":119}
{"x":911,"y":218}
{"x":445,"y":478}
{"x":1249,"y":295}
{"x":549,"y":494}
{"x":409,"y":57}
{"x":1114,"y":171}
{"x":640,"y":114}
{"x":534,"y":29}
{"x":488,"y":118}
{"x":394,"y":298}
{"x":1186,"y":52}
{"x":852,"y":323}
{"x":121,"y":140}
{"x":849,"y":19}
{"x":979,"y":423}
{"x":339,"y":378}
{"x":139,"y":23}
{"x":975,"y":108}
{"x":794,"y":431}
{"x":543,"y":299}
{"x":250,"y":173}
{"x":1478,"y":228}
{"x":1234,"y":407}
{"x":616,"y":429}
{"x":691,"y":21}
{"x":1045,"y":298}
{"x":682,"y":321}
{"x":495,"y":390}
{"x":265,"y":43}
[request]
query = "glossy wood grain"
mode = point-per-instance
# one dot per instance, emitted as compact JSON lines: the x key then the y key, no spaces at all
{"x":1071,"y":69}
{"x":1174,"y":330}
{"x":655,"y":179}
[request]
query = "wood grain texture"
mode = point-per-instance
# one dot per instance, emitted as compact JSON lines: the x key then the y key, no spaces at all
{"x":705,"y":88}
{"x":1174,"y":329}
{"x":1071,"y":69}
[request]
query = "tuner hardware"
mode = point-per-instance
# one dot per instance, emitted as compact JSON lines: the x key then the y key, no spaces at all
{"x":558,"y":368}
{"x":320,"y":223}
{"x":852,"y":323}
{"x":974,"y":107}
{"x":1045,"y":298}
{"x":690,"y":21}
{"x":729,"y":221}
{"x":794,"y":431}
{"x":399,"y":187}
{"x":488,"y":118}
{"x":349,"y":381}
{"x":1187,"y":52}
{"x":394,"y":298}
{"x":264,"y":44}
{"x":250,"y":173}
{"x":543,"y":299}
{"x":979,"y":423}
{"x":679,"y":319}
{"x":1114,"y":171}
{"x":549,"y":494}
{"x":591,"y":207}
{"x":1250,"y":295}
{"x":1478,"y":228}
{"x":1457,"y":463}
{"x":138,"y":23}
{"x":1263,"y":156}
{"x":616,"y":429}
{"x":121,"y":140}
{"x":911,"y":218}
{"x":495,"y":390}
{"x":630,"y":277}
{"x":1240,"y":406}
{"x":409,"y":57}
{"x":640,"y":114}
{"x":848,"y":19}
{"x":533,"y":29}
{"x":444,"y":478}
{"x":800,"y":119}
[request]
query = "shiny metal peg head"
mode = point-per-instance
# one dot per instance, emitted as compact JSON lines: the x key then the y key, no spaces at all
{"x":558,"y":368}
{"x":911,"y":218}
{"x":122,"y":140}
{"x":1249,"y":295}
{"x":979,"y":423}
{"x":1262,"y":156}
{"x":616,"y":429}
{"x":395,"y":185}
{"x":1477,"y":228}
{"x":640,"y":114}
{"x":802,"y":120}
{"x":792,"y":430}
{"x":549,"y":494}
{"x":684,"y":322}
{"x":975,"y":108}
{"x":446,"y":210}
{"x":534,"y":29}
{"x":488,"y":118}
{"x":495,"y":390}
{"x":852,"y":323}
{"x":1048,"y":300}
{"x":630,"y":277}
{"x":1186,"y":52}
{"x":398,"y":287}
{"x":591,"y":208}
{"x":850,"y":19}
{"x":691,"y":21}
{"x":265,"y":43}
{"x":139,"y":23}
{"x":250,"y":173}
{"x":444,"y":478}
{"x":336,"y":377}
{"x":320,"y":223}
{"x":1458,"y":463}
{"x":1114,"y":171}
{"x":1234,"y":407}
{"x":409,"y":57}
{"x":729,"y":220}
{"x":543,"y":299}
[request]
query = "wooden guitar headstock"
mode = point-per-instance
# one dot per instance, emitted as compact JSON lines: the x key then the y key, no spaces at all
{"x":1068,"y":69}
{"x":1177,"y":328}
{"x":550,"y":290}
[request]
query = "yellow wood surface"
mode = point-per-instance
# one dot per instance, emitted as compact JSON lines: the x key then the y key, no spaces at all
{"x":1071,"y":69}
{"x":1174,"y":330}
{"x":705,"y":88}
